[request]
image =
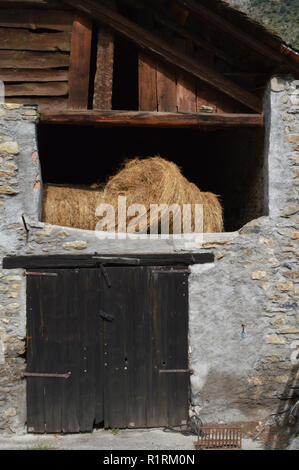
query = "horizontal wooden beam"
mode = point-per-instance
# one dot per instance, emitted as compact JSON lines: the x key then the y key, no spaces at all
{"x":152,"y":119}
{"x":33,"y":60}
{"x":238,"y":33}
{"x":77,"y":261}
{"x":162,"y":49}
{"x":24,"y":40}
{"x":33,"y":75}
{"x":36,"y":4}
{"x":37,"y":19}
{"x":37,"y":89}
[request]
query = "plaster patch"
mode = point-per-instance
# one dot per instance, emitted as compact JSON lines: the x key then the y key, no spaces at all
{"x":202,"y":268}
{"x":199,"y":378}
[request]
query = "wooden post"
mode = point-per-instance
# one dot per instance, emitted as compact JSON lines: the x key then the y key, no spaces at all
{"x":103,"y":81}
{"x":79,"y":73}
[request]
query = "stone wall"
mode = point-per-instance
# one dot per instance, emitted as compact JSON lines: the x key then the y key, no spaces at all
{"x":254,"y":280}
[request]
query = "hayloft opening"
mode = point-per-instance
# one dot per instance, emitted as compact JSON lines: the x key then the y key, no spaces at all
{"x":228,"y":162}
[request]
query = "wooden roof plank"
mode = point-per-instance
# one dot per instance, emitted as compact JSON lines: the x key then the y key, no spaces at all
{"x":147,"y":40}
{"x":79,"y":71}
{"x":236,"y":32}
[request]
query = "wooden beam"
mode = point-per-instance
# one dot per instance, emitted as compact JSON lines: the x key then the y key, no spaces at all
{"x":49,"y":104}
{"x":103,"y":81}
{"x":153,"y":119}
{"x":36,"y":4}
{"x":162,"y":49}
{"x":33,"y":60}
{"x":37,"y":89}
{"x":79,"y":72}
{"x":68,"y":261}
{"x":37,"y":19}
{"x":33,"y":75}
{"x":163,"y":18}
{"x":234,"y":31}
{"x":24,"y":40}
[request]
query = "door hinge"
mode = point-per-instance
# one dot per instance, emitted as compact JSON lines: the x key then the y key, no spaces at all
{"x":171,"y":271}
{"x":28,"y":273}
{"x":36,"y":374}
{"x":176,"y":371}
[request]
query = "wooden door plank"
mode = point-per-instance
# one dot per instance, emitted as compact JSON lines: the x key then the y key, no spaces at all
{"x":174,"y":297}
{"x":71,"y":390}
{"x":157,"y":383}
{"x":99,"y":354}
{"x":103,"y":82}
{"x":22,"y":39}
{"x":33,"y":60}
{"x":115,"y":351}
{"x":147,"y":78}
{"x":79,"y":71}
{"x":52,"y":299}
{"x":35,"y":386}
{"x":137,"y":311}
{"x":89,"y":308}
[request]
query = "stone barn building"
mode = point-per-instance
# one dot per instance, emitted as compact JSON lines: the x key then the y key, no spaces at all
{"x":106,"y":331}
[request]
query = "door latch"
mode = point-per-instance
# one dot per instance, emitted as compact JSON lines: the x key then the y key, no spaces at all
{"x":106,"y":316}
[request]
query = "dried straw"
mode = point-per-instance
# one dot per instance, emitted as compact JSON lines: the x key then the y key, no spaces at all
{"x":146,"y":181}
{"x":70,"y":206}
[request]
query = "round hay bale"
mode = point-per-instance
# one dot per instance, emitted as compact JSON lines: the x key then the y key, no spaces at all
{"x":155,"y":180}
{"x":70,"y":206}
{"x":148,"y":181}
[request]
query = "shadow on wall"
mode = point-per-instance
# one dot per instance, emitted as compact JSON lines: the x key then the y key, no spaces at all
{"x":286,"y":419}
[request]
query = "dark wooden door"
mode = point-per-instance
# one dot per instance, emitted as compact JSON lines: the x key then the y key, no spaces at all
{"x":114,"y":334}
{"x":64,"y":334}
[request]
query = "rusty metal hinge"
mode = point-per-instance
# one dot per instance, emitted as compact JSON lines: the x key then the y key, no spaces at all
{"x":105,"y":274}
{"x":28,"y":273}
{"x":106,"y":316}
{"x":188,"y":271}
{"x":36,"y":374}
{"x":170,"y":371}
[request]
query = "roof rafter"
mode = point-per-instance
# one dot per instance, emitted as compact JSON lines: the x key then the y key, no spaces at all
{"x":178,"y":28}
{"x":239,"y":34}
{"x":150,"y":42}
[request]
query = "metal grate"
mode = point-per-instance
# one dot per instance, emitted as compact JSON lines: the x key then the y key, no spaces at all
{"x":219,"y":438}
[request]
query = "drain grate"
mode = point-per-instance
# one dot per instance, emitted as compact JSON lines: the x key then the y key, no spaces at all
{"x":219,"y":438}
